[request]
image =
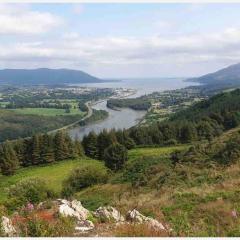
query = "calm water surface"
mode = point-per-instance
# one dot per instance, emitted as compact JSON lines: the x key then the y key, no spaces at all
{"x":126,"y":118}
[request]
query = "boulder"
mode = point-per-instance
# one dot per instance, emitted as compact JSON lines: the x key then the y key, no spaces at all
{"x":73,"y":209}
{"x":137,"y":217}
{"x":108,"y":214}
{"x":83,"y":212}
{"x":7,"y":227}
{"x":84,"y":226}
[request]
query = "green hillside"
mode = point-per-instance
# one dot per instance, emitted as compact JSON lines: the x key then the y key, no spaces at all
{"x":53,"y":174}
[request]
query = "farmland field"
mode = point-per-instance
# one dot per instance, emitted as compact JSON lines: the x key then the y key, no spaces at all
{"x":47,"y":111}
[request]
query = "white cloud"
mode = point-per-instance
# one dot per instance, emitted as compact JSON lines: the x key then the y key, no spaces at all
{"x":22,"y":20}
{"x":76,"y":51}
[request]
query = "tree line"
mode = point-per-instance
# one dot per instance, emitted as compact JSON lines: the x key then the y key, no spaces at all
{"x":39,"y":149}
{"x":203,"y":121}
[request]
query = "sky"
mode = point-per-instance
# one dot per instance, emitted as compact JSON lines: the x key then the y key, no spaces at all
{"x":114,"y":40}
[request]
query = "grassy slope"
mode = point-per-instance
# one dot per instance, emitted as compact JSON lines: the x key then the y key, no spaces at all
{"x":47,"y":111}
{"x":194,"y":200}
{"x":53,"y":174}
{"x":153,"y":152}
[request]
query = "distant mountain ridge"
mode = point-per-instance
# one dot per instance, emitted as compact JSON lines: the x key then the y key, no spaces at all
{"x":229,"y":76}
{"x":45,"y":76}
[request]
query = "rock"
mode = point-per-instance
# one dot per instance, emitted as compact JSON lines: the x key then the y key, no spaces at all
{"x":83,"y":212}
{"x":84,"y":226}
{"x":7,"y":227}
{"x":67,"y":211}
{"x":108,"y":214}
{"x":73,"y":209}
{"x":137,"y":217}
{"x":153,"y":223}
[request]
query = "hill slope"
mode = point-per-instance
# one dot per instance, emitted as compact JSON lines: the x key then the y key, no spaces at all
{"x":226,"y":77}
{"x":44,"y":76}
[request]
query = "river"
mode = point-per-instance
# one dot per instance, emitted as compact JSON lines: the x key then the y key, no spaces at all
{"x":125,"y":118}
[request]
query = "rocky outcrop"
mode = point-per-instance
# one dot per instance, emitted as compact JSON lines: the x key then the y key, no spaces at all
{"x":108,"y":214}
{"x":137,"y":217}
{"x":7,"y":227}
{"x":73,"y":209}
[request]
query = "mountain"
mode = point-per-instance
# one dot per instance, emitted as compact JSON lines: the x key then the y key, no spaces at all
{"x":45,"y":76}
{"x":226,"y":77}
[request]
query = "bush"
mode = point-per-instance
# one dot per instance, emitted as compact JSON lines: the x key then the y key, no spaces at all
{"x":115,"y":156}
{"x":84,"y":177}
{"x":142,"y":171}
{"x":31,"y":190}
{"x":36,"y":227}
{"x":170,"y":142}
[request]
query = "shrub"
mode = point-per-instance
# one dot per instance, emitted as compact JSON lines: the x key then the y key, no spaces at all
{"x":170,"y":142}
{"x":115,"y":156}
{"x":84,"y":177}
{"x":37,"y":227}
{"x":31,"y":190}
{"x":142,"y":171}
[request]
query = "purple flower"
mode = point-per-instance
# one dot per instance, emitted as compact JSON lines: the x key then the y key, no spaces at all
{"x":29,"y":207}
{"x":234,"y":213}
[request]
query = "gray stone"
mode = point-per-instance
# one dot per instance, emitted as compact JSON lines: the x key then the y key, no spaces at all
{"x":73,"y":209}
{"x":108,"y":213}
{"x":7,"y":227}
{"x":137,"y":217}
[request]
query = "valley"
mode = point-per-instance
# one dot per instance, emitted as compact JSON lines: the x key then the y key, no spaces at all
{"x":176,"y":167}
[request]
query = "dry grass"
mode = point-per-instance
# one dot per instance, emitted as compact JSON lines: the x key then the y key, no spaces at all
{"x":138,"y":230}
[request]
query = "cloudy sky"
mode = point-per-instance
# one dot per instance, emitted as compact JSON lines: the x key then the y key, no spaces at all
{"x":121,"y":40}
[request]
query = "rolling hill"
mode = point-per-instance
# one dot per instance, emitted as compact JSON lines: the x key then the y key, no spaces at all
{"x":224,"y":78}
{"x":45,"y":76}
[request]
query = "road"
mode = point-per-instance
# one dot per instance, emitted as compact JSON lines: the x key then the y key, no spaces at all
{"x":89,"y":114}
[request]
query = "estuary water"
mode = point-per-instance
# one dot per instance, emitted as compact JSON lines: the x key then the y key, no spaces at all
{"x":126,"y":118}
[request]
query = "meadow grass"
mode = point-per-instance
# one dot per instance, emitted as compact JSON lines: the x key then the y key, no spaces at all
{"x":47,"y":111}
{"x":154,"y":151}
{"x":54,"y":174}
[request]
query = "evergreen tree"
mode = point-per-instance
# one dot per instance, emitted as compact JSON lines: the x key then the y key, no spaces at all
{"x":61,"y":146}
{"x":8,"y":159}
{"x":103,"y":141}
{"x":115,"y":156}
{"x":89,"y":143}
{"x":78,"y":148}
{"x":47,"y":153}
{"x":36,"y":150}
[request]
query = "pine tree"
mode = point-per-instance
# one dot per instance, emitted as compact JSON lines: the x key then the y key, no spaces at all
{"x":36,"y":149}
{"x":8,"y":159}
{"x":115,"y":156}
{"x":61,"y":148}
{"x":78,"y":148}
{"x":47,"y":153}
{"x":104,"y":140}
{"x":89,"y":143}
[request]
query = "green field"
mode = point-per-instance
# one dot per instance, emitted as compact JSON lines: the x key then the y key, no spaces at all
{"x":153,"y":152}
{"x":47,"y":111}
{"x":53,"y":174}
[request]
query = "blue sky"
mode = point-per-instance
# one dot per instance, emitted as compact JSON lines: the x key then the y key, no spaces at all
{"x":121,"y":40}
